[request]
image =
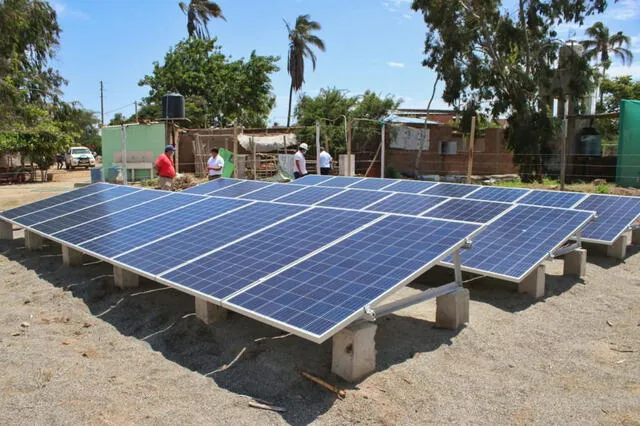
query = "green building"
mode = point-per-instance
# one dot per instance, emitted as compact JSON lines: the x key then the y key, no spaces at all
{"x":628,"y":167}
{"x":144,"y":143}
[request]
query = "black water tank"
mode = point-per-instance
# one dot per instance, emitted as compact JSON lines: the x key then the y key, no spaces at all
{"x":173,"y":106}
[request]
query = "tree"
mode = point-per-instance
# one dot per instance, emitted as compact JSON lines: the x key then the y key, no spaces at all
{"x":603,"y":46}
{"x":301,"y":43}
{"x":618,"y":89}
{"x":216,"y":90}
{"x":198,"y":14}
{"x":118,"y":118}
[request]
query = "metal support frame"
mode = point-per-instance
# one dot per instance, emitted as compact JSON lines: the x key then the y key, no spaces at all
{"x":561,"y":251}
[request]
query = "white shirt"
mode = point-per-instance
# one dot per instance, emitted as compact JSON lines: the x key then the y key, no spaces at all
{"x":215,"y":162}
{"x":301,"y":165}
{"x":325,"y":160}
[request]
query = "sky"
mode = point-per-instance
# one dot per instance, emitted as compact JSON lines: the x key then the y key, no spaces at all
{"x":371,"y":44}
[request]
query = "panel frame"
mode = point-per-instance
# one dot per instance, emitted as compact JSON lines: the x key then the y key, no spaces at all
{"x":629,"y":227}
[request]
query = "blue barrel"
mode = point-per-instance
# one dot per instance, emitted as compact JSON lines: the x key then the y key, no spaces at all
{"x":97,"y":175}
{"x":114,"y":171}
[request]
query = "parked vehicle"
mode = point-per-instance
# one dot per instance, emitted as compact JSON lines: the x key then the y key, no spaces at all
{"x":79,"y":156}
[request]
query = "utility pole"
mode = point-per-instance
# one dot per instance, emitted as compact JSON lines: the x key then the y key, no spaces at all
{"x":101,"y":104}
{"x":135,"y":103}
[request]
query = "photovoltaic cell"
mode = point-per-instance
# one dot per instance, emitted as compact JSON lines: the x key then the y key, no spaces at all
{"x":517,"y":242}
{"x":312,"y":179}
{"x":224,"y":272}
{"x":411,"y":204}
{"x":551,"y":198}
{"x":211,"y":186}
{"x":468,"y":210}
{"x":373,"y":183}
{"x":126,"y":239}
{"x":496,"y":193}
{"x":242,"y":188}
{"x":354,"y":199}
{"x":310,"y":195}
{"x":451,"y":189}
{"x":410,"y":186}
{"x":321,"y":294}
{"x":615,"y":215}
{"x":274,"y":191}
{"x":56,"y":199}
{"x":113,"y":222}
{"x":340,"y":181}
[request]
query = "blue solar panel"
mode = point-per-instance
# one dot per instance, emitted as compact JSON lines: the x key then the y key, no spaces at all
{"x":242,"y":188}
{"x":126,"y":239}
{"x":373,"y":183}
{"x":615,"y":215}
{"x":551,"y":198}
{"x":77,"y":204}
{"x":468,"y":210}
{"x":224,"y":272}
{"x":496,"y":193}
{"x":451,"y":189}
{"x":340,"y":181}
{"x":93,"y":212}
{"x":321,"y":294}
{"x":155,"y":258}
{"x":309,"y":196}
{"x":211,"y":186}
{"x":409,"y":186}
{"x":354,"y":199}
{"x":411,"y":204}
{"x":113,"y":222}
{"x":517,"y":242}
{"x":273,"y":192}
{"x":56,"y":199}
{"x":312,"y":179}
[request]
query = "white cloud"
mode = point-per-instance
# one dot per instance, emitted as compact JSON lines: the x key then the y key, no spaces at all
{"x":407,"y":16}
{"x":624,"y":10}
{"x":63,"y":11}
{"x":620,"y":70}
{"x":396,"y":64}
{"x":635,"y":44}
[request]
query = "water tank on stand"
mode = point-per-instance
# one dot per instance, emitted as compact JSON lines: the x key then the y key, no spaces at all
{"x":173,"y":106}
{"x":588,"y":140}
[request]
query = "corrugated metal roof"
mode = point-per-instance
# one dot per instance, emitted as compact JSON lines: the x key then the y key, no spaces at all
{"x":392,"y":118}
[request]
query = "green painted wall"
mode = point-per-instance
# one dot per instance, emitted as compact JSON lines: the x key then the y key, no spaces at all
{"x":140,"y":137}
{"x":628,"y":170}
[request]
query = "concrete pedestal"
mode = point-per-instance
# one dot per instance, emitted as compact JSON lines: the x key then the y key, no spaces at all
{"x":6,"y":230}
{"x":71,"y":257}
{"x":354,"y":352}
{"x":209,"y":313}
{"x":452,"y":310}
{"x":533,"y":284}
{"x":32,"y":241}
{"x":635,"y":236}
{"x":575,"y":263}
{"x":619,"y":247}
{"x":125,"y":279}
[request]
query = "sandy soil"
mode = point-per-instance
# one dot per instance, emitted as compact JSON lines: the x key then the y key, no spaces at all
{"x":76,"y":350}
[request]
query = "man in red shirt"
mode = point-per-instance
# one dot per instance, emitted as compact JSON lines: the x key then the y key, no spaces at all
{"x":164,"y":168}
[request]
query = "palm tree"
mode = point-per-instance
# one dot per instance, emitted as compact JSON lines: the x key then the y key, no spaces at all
{"x":300,"y":43}
{"x":198,"y":14}
{"x":603,"y":46}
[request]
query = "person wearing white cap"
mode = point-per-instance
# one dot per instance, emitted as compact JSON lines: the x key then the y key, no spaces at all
{"x":299,"y":162}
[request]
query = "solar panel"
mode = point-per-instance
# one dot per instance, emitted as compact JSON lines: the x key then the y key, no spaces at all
{"x":451,"y":189}
{"x":496,"y":193}
{"x":312,"y":179}
{"x":77,"y":204}
{"x":273,"y":192}
{"x":310,"y":195}
{"x":539,"y":197}
{"x":124,"y":218}
{"x":340,"y":181}
{"x":409,"y":186}
{"x":56,"y":199}
{"x":154,"y":258}
{"x":161,"y":226}
{"x":96,"y":211}
{"x":354,"y":199}
{"x":520,"y":240}
{"x":226,"y":271}
{"x":468,"y":210}
{"x":322,"y":294}
{"x":244,"y":187}
{"x":373,"y":183}
{"x":411,"y":204}
{"x":207,"y":187}
{"x":615,"y":215}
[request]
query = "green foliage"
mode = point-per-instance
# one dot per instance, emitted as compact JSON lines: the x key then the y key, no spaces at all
{"x":118,"y":118}
{"x":602,"y":188}
{"x":198,"y":14}
{"x":618,"y":89}
{"x":216,"y":89}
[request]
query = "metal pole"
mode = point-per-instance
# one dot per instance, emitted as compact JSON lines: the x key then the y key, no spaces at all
{"x":348,"y":168}
{"x":382,"y":163}
{"x":235,"y":151}
{"x":255,"y":167}
{"x":101,"y":103}
{"x":124,"y":153}
{"x":563,"y":153}
{"x":317,"y":147}
{"x":472,"y":139}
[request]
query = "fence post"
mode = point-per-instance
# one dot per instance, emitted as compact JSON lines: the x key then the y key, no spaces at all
{"x":382,"y":164}
{"x":317,"y":147}
{"x":235,"y":151}
{"x":563,"y":153}
{"x":472,"y":140}
{"x":255,"y":167}
{"x":348,"y":167}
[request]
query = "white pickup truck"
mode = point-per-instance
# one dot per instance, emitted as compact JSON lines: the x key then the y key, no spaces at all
{"x":79,"y":156}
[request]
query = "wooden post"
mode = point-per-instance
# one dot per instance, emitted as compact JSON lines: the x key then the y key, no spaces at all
{"x":317,"y":147}
{"x":348,"y":167}
{"x":255,"y":167}
{"x":382,"y":149}
{"x":235,"y":151}
{"x":472,"y":140}
{"x":176,"y":156}
{"x":563,"y":152}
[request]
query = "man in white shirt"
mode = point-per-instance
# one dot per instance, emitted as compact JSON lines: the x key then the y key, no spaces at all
{"x":299,"y":162}
{"x":215,"y":165}
{"x":325,"y":162}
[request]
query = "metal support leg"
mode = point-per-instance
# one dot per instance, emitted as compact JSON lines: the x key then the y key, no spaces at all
{"x":457,"y":270}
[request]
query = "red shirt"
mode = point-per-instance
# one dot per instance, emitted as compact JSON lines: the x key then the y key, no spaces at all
{"x":165,"y":166}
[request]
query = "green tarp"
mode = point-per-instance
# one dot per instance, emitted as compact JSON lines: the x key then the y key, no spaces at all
{"x":628,"y":167}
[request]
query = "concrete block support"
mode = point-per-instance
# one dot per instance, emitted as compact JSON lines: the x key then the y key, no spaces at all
{"x":71,"y":257}
{"x":209,"y":313}
{"x":533,"y":284}
{"x":354,"y":351}
{"x":125,"y":279}
{"x":32,"y":241}
{"x":635,"y":236}
{"x":575,"y":263}
{"x":452,"y":310}
{"x":6,"y":230}
{"x":619,"y":247}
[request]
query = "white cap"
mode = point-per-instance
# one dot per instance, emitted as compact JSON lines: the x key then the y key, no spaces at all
{"x":304,"y":146}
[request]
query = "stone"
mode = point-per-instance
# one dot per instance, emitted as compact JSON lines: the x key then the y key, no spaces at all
{"x":575,"y":263}
{"x":354,"y":351}
{"x":452,"y":310}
